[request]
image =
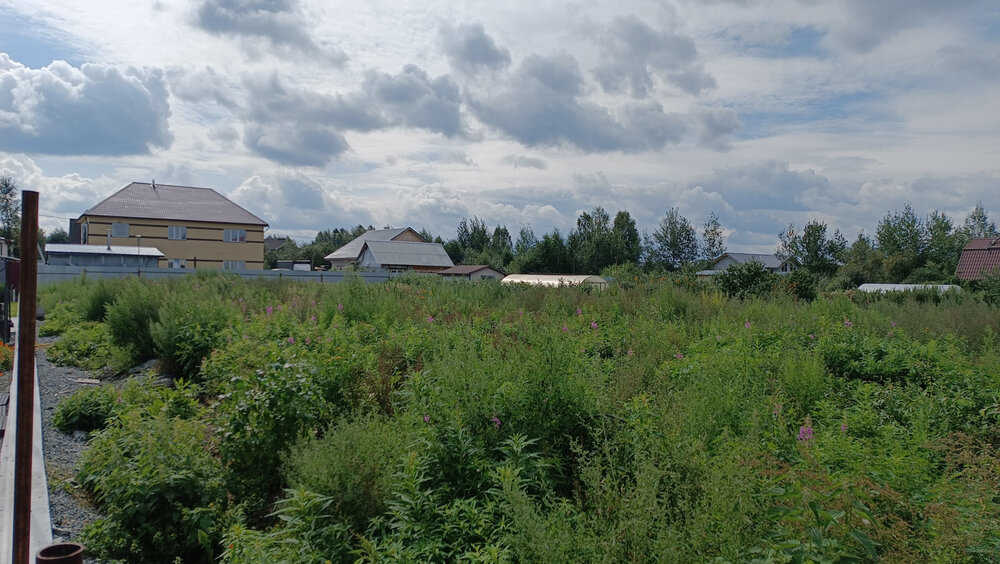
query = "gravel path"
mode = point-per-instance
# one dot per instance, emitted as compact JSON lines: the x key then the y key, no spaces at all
{"x":68,"y":508}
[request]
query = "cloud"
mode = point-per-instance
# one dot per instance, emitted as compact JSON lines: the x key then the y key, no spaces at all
{"x":292,"y":201}
{"x":412,"y":99}
{"x":201,"y":85}
{"x":636,"y":55}
{"x":716,"y":127}
{"x":92,"y":110}
{"x":522,"y":161}
{"x":765,"y":185}
{"x":470,"y":49}
{"x":867,"y":24}
{"x":295,"y":143}
{"x":543,"y":104}
{"x":281,"y":22}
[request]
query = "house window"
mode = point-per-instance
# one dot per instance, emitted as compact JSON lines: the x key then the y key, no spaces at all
{"x":177,"y":232}
{"x":119,"y":230}
{"x":176,"y":263}
{"x":234,"y":235}
{"x":84,"y":233}
{"x":234,"y":265}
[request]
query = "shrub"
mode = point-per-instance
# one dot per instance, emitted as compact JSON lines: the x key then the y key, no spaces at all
{"x":800,"y":284}
{"x":129,"y":316}
{"x":160,"y":489}
{"x":6,"y":356}
{"x":747,"y":280}
{"x":87,"y":409}
{"x":88,"y":345}
{"x":187,"y":329}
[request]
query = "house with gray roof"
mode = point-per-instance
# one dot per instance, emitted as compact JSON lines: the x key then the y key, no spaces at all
{"x":770,"y":262}
{"x":192,"y":227}
{"x":350,"y":253}
{"x":403,"y":256}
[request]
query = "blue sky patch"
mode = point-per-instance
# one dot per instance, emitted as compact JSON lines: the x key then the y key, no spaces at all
{"x":33,"y":44}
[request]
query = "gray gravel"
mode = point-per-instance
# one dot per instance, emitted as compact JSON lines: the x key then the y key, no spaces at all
{"x":68,"y":507}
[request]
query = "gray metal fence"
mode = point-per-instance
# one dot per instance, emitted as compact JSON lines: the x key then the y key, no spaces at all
{"x":48,"y":274}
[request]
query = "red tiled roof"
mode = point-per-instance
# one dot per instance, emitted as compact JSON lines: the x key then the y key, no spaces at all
{"x":978,"y":257}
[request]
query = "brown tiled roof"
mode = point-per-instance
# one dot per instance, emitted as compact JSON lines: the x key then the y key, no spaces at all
{"x":978,"y":257}
{"x":141,"y":200}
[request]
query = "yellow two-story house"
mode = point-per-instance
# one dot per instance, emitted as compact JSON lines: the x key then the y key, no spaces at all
{"x":192,"y":227}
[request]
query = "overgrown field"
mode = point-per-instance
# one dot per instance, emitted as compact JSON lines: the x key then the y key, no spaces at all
{"x":421,"y":421}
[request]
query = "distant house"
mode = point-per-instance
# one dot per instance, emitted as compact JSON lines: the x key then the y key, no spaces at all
{"x":880,"y":288}
{"x":65,"y":254}
{"x":193,"y":227}
{"x":403,"y":256}
{"x":981,"y":256}
{"x":472,"y":272}
{"x":5,"y":247}
{"x":272,"y":243}
{"x":350,"y":253}
{"x":557,"y":280}
{"x":291,"y":264}
{"x":770,"y":262}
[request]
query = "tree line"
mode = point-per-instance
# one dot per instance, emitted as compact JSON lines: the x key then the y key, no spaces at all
{"x":904,"y":248}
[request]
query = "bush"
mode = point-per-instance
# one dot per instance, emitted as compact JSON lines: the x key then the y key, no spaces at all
{"x":88,"y":345}
{"x":747,"y":280}
{"x":187,"y":330}
{"x":160,"y":489}
{"x":6,"y":356}
{"x":128,"y":319}
{"x":87,"y":409}
{"x":800,"y":284}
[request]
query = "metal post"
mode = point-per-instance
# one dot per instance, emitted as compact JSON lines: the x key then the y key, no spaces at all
{"x":25,"y":376}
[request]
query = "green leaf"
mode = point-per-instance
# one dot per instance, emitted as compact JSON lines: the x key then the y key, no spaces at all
{"x":866,"y":542}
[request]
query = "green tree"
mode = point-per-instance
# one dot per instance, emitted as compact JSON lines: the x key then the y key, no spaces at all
{"x":862,"y":263}
{"x":674,"y":243}
{"x":627,"y":244}
{"x":713,"y":238}
{"x":812,"y":249}
{"x":551,"y":255}
{"x":978,"y":224}
{"x":902,"y":239}
{"x":10,"y":212}
{"x":58,"y":235}
{"x":747,"y":280}
{"x":944,"y":245}
{"x":591,"y":244}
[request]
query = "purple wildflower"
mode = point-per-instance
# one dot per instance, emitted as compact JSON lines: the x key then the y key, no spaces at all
{"x":579,"y":311}
{"x":496,"y":422}
{"x":312,"y":318}
{"x":565,"y":328}
{"x":847,"y":323}
{"x":269,"y":310}
{"x":747,"y":324}
{"x":308,"y":341}
{"x":893,"y":324}
{"x":291,"y":340}
{"x":843,"y":427}
{"x":430,"y":319}
{"x":427,"y":418}
{"x":678,"y":356}
{"x":340,"y":307}
{"x":629,"y":353}
{"x":777,"y":410}
{"x":811,"y":336}
{"x":805,"y":432}
{"x":593,"y":325}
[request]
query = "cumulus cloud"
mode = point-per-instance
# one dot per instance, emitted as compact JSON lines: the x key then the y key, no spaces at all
{"x":303,"y":127}
{"x":295,"y":201}
{"x":522,"y":161}
{"x":716,"y":127}
{"x":280,"y":22}
{"x":543,"y":104}
{"x":636,"y":55}
{"x":868,"y":23}
{"x":470,"y":49}
{"x":91,"y":110}
{"x":769,"y":185}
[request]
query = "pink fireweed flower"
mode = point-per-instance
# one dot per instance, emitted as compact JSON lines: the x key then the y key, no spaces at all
{"x":806,"y":432}
{"x":308,"y":341}
{"x":269,"y":310}
{"x":678,"y":356}
{"x":427,"y":418}
{"x":496,"y":422}
{"x":312,"y":318}
{"x":893,"y":324}
{"x":811,"y":336}
{"x":747,"y":324}
{"x":340,"y":307}
{"x":843,"y":427}
{"x":847,"y":323}
{"x":776,"y":411}
{"x":579,"y":311}
{"x":430,"y":319}
{"x":291,"y":340}
{"x":593,"y":325}
{"x":629,"y":353}
{"x":565,"y":328}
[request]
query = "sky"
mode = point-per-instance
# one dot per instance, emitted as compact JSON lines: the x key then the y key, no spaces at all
{"x":316,"y":115}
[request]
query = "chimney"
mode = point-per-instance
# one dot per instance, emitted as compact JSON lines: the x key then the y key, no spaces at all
{"x":154,"y":184}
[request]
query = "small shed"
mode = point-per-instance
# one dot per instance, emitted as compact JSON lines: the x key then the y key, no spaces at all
{"x":402,"y":256}
{"x":557,"y":280}
{"x":64,"y":254}
{"x":472,"y":272}
{"x":981,"y":256}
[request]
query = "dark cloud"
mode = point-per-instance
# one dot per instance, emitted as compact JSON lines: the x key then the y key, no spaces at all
{"x":200,"y":85}
{"x":301,"y":127}
{"x":766,"y":185}
{"x":91,"y":110}
{"x":470,"y":49}
{"x":301,"y":193}
{"x":636,"y":55}
{"x":412,"y":99}
{"x":295,"y":143}
{"x":276,"y":20}
{"x":716,"y":127}
{"x":543,"y":105}
{"x":519,"y":161}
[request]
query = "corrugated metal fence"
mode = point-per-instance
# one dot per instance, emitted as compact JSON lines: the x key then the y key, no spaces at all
{"x":48,"y":273}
